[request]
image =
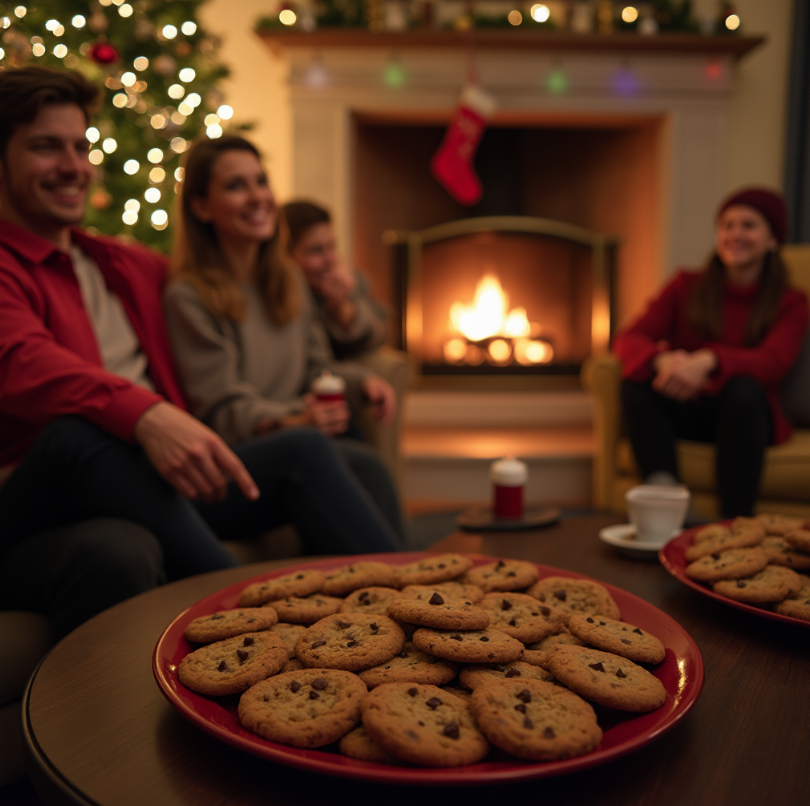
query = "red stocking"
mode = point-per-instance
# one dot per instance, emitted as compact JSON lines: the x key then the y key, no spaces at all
{"x":452,"y":164}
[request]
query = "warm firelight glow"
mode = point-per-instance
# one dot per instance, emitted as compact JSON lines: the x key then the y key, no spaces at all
{"x":528,"y":352}
{"x":499,"y":351}
{"x":489,"y":318}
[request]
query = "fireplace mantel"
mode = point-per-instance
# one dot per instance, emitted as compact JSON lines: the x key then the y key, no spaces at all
{"x":629,"y":44}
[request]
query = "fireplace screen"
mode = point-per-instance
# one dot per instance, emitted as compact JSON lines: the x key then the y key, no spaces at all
{"x":503,"y":295}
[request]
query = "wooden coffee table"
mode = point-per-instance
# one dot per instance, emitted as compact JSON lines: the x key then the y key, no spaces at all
{"x":100,"y":732}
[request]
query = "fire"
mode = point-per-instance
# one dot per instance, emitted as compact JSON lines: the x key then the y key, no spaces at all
{"x":489,"y":318}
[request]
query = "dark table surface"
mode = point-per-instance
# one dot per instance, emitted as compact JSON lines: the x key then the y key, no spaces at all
{"x":100,"y":732}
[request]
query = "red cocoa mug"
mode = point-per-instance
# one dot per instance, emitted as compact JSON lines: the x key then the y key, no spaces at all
{"x":329,"y":388}
{"x":509,"y":478}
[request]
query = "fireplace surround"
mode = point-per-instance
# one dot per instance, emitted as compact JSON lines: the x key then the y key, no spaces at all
{"x":544,"y":296}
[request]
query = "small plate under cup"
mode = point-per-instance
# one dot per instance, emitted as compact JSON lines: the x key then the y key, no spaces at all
{"x":623,"y":537}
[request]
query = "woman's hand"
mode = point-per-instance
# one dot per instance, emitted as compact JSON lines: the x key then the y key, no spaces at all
{"x":681,"y":375}
{"x":329,"y":417}
{"x":382,"y":397}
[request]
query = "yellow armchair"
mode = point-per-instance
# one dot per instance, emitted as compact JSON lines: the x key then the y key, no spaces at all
{"x":785,"y":485}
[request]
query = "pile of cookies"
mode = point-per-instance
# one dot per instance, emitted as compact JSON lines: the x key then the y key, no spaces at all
{"x":762,"y":561}
{"x":432,"y":663}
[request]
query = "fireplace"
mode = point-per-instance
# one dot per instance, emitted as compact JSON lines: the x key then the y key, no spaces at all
{"x":502,"y":295}
{"x":646,"y":166}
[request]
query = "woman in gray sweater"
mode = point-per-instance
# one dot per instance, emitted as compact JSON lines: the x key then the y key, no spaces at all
{"x":245,"y":335}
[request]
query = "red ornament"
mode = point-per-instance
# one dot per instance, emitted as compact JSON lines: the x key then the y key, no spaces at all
{"x":103,"y":53}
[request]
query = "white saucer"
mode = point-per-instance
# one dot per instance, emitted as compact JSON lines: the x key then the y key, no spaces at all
{"x":622,"y":536}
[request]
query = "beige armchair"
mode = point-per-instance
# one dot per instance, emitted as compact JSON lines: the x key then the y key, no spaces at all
{"x":395,"y":367}
{"x":785,"y":485}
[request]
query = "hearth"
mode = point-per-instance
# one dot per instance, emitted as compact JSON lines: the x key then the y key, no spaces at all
{"x":502,"y":295}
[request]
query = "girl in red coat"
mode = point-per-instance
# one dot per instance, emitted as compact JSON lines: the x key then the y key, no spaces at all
{"x":706,"y":359}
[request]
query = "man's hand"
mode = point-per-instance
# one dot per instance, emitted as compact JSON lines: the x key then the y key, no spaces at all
{"x":681,"y":375}
{"x":382,"y":397}
{"x":336,"y":287}
{"x":189,"y":455}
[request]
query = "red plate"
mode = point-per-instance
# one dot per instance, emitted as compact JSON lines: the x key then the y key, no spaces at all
{"x":681,"y":672}
{"x":672,"y":558}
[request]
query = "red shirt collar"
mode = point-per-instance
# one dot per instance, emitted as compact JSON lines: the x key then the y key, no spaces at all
{"x":36,"y":250}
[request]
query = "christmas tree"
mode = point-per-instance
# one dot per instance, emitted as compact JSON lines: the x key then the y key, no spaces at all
{"x":158,"y":71}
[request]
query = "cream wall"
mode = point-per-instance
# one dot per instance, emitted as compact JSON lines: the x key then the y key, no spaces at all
{"x":257,"y":86}
{"x":258,"y":93}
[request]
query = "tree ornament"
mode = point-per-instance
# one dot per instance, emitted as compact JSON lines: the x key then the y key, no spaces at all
{"x":100,"y":199}
{"x":144,"y":30}
{"x":452,"y":164}
{"x":102,"y":52}
{"x":18,"y":46}
{"x":164,"y":65}
{"x":98,"y":22}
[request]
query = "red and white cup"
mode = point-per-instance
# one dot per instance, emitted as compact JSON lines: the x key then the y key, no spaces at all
{"x":509,"y":477}
{"x":329,"y":388}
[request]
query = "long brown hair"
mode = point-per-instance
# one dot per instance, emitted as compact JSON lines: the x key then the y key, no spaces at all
{"x":198,"y":257}
{"x":705,"y":308}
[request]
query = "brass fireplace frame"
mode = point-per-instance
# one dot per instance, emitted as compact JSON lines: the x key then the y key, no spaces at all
{"x":407,"y":248}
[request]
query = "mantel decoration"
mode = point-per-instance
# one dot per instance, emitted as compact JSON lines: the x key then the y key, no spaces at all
{"x":569,"y":16}
{"x":159,"y":70}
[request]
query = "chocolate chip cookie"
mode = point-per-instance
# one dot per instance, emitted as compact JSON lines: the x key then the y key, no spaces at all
{"x":411,"y":666}
{"x":309,"y":708}
{"x":438,"y":568}
{"x":289,"y":633}
{"x":740,"y":535}
{"x":477,"y":674}
{"x":731,"y":564}
{"x":440,"y":613}
{"x":780,"y":552}
{"x":227,"y":623}
{"x":233,"y":665}
{"x":372,"y":601}
{"x":461,"y":646}
{"x":797,"y":606}
{"x":423,"y":725}
{"x":521,"y":616}
{"x":799,"y":539}
{"x":772,"y":584}
{"x":449,"y":590}
{"x":575,"y":596}
{"x":298,"y":583}
{"x":305,"y":609}
{"x":503,"y":575}
{"x":350,"y":641}
{"x":358,"y":744}
{"x":535,"y":720}
{"x":618,"y":637}
{"x":358,"y":575}
{"x":607,"y":679}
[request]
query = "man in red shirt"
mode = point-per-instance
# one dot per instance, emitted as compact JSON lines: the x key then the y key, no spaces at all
{"x":92,"y":420}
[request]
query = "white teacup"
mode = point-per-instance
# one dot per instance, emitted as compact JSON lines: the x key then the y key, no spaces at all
{"x":656,"y":510}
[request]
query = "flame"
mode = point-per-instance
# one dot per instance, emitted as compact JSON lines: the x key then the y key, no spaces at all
{"x":489,"y":317}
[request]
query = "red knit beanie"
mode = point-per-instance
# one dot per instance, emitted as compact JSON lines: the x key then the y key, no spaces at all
{"x":770,"y":205}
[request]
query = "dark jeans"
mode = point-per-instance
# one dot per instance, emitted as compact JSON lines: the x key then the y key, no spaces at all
{"x":737,"y":421}
{"x":76,"y":472}
{"x":369,"y":469}
{"x":73,"y":572}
